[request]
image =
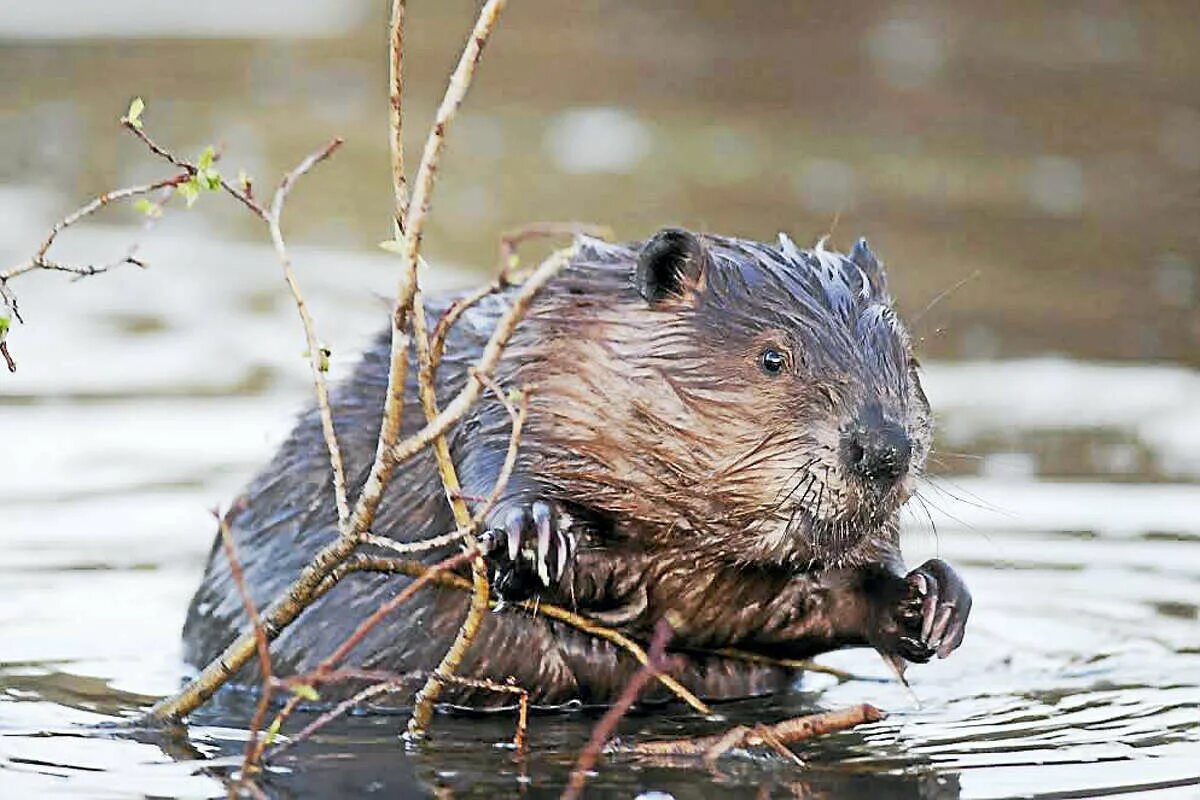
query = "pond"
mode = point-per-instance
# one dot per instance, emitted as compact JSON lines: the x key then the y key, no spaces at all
{"x":1051,"y":259}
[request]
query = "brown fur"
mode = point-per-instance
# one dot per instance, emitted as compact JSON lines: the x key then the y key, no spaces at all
{"x":693,"y":481}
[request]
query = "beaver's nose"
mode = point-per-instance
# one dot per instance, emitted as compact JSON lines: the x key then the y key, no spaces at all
{"x":877,"y":450}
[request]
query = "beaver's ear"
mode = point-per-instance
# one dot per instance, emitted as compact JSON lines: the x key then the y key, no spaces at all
{"x":670,"y":264}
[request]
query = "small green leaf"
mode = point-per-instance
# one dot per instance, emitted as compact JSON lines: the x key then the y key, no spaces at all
{"x":206,"y":158}
{"x":305,"y":692}
{"x":393,"y":246}
{"x":134,"y":115}
{"x":144,"y":206}
{"x":272,"y":731}
{"x":190,"y":190}
{"x":5,"y":322}
{"x":211,"y":179}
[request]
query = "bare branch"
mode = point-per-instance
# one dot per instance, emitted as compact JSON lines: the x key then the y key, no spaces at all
{"x":455,"y":310}
{"x":317,"y":359}
{"x":488,"y":360}
{"x":511,"y":240}
{"x":300,"y":170}
{"x":395,"y":683}
{"x":422,"y":197}
{"x":364,"y":563}
{"x":408,"y":548}
{"x":326,"y":667}
{"x":506,"y":264}
{"x":789,"y":731}
{"x":408,"y":294}
{"x":383,"y":687}
{"x":395,"y":115}
{"x":39,"y":260}
{"x":656,"y":662}
{"x":517,"y":414}
{"x":797,"y":664}
{"x":254,"y":743}
{"x":364,"y":627}
{"x":410,"y":308}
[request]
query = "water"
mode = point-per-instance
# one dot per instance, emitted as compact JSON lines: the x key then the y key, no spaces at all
{"x":1067,"y":477}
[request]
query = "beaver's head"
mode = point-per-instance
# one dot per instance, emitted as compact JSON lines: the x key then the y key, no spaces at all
{"x":759,"y":399}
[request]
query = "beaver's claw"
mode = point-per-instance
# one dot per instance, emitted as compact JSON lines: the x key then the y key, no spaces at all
{"x":528,"y":546}
{"x":933,"y":615}
{"x":921,"y":615}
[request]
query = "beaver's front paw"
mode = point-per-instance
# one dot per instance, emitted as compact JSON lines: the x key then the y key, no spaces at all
{"x":930,"y":617}
{"x":528,"y":548}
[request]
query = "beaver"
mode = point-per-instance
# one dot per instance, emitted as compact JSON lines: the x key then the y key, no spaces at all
{"x":719,"y":428}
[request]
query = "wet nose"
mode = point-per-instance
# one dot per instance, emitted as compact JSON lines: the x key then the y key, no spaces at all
{"x":878,"y":452}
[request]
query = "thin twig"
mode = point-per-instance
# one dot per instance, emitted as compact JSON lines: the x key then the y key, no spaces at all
{"x":364,"y":563}
{"x":513,"y":239}
{"x":506,"y":264}
{"x":387,"y":456}
{"x":453,"y":411}
{"x":254,"y":744}
{"x":603,"y":731}
{"x":238,"y":194}
{"x":416,"y":211}
{"x":420,"y":546}
{"x":314,"y":578}
{"x":519,"y":735}
{"x":413,"y":305}
{"x":422,"y":195}
{"x":328,"y":664}
{"x":39,"y":259}
{"x":518,"y":415}
{"x":802,"y":664}
{"x":384,"y":687}
{"x":395,"y":683}
{"x":770,"y":739}
{"x":365,"y":627}
{"x":313,"y":679}
{"x":457,"y":307}
{"x":789,"y":731}
{"x":395,"y":115}
{"x":317,"y":359}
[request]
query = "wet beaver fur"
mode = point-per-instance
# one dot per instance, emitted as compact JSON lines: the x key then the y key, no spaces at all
{"x":720,"y":428}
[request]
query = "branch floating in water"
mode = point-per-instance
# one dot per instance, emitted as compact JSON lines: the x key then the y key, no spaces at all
{"x":789,"y":731}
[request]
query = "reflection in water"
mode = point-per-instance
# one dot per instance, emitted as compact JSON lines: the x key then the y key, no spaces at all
{"x":1029,"y":148}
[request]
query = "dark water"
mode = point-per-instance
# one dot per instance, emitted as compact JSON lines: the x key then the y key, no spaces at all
{"x":1054,"y":150}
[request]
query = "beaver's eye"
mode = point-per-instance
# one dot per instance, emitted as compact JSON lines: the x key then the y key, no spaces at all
{"x":772,"y":361}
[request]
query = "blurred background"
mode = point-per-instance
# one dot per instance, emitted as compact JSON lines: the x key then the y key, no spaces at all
{"x":1054,"y":148}
{"x":1029,"y":171}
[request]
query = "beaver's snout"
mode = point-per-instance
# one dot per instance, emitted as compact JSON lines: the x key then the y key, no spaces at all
{"x":876,"y":450}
